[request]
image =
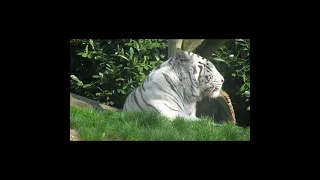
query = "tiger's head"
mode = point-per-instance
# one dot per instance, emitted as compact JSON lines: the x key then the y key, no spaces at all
{"x":203,"y":75}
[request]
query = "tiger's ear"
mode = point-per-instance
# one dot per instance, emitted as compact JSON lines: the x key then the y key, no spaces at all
{"x":180,"y":54}
{"x":178,"y":50}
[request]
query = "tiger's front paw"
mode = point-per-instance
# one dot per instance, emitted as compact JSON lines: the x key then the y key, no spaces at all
{"x":188,"y":117}
{"x":193,"y":118}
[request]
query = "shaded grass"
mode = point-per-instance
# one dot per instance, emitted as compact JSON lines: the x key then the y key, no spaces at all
{"x":108,"y":125}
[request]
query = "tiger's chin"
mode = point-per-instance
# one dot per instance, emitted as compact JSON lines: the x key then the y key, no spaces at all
{"x":215,"y":93}
{"x":212,"y":92}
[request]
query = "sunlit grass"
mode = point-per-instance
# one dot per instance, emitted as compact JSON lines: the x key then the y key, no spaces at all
{"x":95,"y":125}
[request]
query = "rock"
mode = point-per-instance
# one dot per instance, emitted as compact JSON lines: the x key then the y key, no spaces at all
{"x":74,"y":135}
{"x":79,"y":101}
{"x":220,"y":108}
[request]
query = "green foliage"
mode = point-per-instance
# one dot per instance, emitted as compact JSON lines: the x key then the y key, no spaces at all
{"x":233,"y":61}
{"x":107,"y":70}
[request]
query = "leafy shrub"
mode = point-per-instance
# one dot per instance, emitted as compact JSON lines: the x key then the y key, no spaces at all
{"x":107,"y":70}
{"x":233,"y":61}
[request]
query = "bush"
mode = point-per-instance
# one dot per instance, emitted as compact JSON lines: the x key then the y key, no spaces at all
{"x":107,"y":70}
{"x":233,"y":61}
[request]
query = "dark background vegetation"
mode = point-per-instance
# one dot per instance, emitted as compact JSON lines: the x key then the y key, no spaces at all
{"x":107,"y":70}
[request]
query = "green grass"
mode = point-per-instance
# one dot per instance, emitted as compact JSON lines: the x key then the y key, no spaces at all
{"x":95,"y":125}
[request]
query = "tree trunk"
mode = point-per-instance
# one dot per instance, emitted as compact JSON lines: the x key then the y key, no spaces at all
{"x":191,"y":44}
{"x":209,"y":46}
{"x":173,"y":44}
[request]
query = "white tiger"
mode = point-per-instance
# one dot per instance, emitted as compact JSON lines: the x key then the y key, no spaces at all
{"x":174,"y":87}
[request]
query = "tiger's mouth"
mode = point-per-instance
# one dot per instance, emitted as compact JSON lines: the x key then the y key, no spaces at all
{"x":212,"y":91}
{"x":216,"y":89}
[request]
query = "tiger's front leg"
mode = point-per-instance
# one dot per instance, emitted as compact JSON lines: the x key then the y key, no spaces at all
{"x":191,"y":115}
